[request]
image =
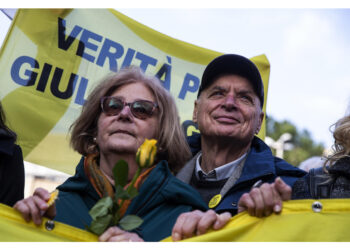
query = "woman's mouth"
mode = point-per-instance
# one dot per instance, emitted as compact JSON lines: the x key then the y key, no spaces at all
{"x":119,"y":131}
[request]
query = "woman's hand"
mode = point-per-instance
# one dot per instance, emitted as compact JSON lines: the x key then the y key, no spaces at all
{"x":117,"y":234}
{"x":35,"y":207}
{"x":264,"y":200}
{"x":197,"y":222}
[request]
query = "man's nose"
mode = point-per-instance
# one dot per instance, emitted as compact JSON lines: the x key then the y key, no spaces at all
{"x":230,"y":102}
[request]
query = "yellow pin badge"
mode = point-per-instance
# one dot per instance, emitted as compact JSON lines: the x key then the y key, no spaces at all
{"x":53,"y":198}
{"x":215,"y":201}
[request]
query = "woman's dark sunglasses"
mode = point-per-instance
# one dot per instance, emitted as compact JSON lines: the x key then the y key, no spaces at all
{"x":141,"y":109}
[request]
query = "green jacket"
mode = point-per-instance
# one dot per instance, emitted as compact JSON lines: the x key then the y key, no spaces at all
{"x":162,"y":198}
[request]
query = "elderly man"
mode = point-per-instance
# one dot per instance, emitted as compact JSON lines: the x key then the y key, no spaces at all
{"x":230,"y":159}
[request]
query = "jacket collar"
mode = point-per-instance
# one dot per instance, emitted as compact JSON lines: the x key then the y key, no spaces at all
{"x":79,"y":183}
{"x":162,"y":186}
{"x":185,"y":174}
{"x":257,"y":164}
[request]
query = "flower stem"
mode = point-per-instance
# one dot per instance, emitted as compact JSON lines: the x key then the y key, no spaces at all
{"x":136,"y":175}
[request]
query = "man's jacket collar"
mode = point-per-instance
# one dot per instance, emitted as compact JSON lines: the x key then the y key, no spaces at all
{"x":257,"y":164}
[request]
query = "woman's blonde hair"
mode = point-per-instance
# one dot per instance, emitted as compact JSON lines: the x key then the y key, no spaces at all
{"x":341,"y":146}
{"x":172,"y":145}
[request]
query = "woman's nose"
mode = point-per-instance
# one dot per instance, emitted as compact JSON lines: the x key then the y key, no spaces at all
{"x":125,"y":113}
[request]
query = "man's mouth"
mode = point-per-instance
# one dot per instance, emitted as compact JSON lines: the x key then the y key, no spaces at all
{"x":226,"y":119}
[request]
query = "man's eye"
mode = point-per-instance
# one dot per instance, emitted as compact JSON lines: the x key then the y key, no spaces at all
{"x":246,"y":98}
{"x":217,"y":93}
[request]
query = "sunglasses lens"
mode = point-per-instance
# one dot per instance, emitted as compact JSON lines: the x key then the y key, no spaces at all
{"x":142,"y":109}
{"x":112,"y":106}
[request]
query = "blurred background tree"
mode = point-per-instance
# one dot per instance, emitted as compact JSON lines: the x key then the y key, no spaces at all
{"x":300,"y":146}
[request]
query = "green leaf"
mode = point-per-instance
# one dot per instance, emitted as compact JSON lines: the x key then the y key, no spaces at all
{"x":120,"y":193}
{"x":132,"y":192}
{"x":100,"y":225}
{"x":130,"y":222}
{"x":120,"y":172}
{"x":101,"y":207}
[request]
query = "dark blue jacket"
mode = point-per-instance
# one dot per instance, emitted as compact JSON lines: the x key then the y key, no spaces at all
{"x":162,"y":198}
{"x":259,"y":165}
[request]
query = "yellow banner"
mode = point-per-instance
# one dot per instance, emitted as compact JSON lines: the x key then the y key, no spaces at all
{"x":13,"y":228}
{"x":300,"y":221}
{"x":52,"y":58}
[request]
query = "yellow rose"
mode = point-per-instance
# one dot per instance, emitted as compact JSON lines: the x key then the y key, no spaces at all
{"x":146,"y":153}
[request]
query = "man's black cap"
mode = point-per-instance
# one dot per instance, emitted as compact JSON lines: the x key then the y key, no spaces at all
{"x":236,"y":65}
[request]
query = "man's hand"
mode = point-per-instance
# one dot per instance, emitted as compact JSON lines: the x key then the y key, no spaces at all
{"x":266,"y":199}
{"x":117,"y":234}
{"x":197,"y":222}
{"x":35,"y":207}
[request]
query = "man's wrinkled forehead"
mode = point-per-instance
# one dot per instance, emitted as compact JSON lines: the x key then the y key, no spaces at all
{"x":224,"y":85}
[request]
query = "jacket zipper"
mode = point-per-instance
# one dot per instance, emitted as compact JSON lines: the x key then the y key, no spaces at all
{"x":150,"y":197}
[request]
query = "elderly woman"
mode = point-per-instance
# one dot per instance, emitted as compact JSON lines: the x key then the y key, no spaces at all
{"x":119,"y":114}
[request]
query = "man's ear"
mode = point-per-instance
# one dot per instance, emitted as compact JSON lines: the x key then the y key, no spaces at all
{"x":194,"y":116}
{"x":261,"y":118}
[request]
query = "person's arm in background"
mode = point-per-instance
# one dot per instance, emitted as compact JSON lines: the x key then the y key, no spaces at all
{"x":12,"y":178}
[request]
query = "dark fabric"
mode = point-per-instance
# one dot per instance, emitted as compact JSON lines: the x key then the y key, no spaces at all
{"x":207,"y":189}
{"x":11,"y":170}
{"x":318,"y":184}
{"x":162,"y":198}
{"x":194,"y":141}
{"x":259,"y":165}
